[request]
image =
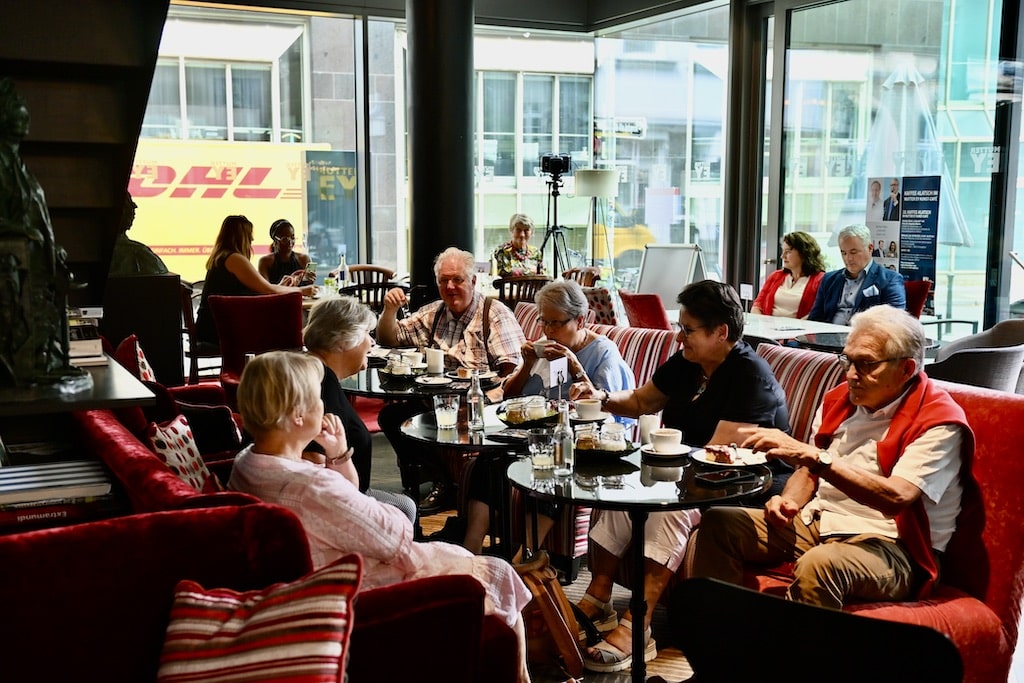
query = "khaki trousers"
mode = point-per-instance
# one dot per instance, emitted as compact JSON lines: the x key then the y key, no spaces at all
{"x":827,"y":572}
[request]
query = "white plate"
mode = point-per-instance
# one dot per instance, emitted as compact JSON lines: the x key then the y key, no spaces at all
{"x":454,"y":374}
{"x":430,"y":380}
{"x":744,"y":456}
{"x":681,"y":449}
{"x":601,"y":417}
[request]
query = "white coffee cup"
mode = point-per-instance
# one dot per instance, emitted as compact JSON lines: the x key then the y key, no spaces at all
{"x":540,"y":347}
{"x":435,"y":361}
{"x":588,"y":408}
{"x":666,"y":439}
{"x":412,"y":357}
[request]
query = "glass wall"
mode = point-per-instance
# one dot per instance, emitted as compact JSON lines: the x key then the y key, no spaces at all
{"x":276,"y":115}
{"x":872,"y":100}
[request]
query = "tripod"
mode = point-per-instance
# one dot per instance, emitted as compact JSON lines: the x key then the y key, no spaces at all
{"x":554,"y":231}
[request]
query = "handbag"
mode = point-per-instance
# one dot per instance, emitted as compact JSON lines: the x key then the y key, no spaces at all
{"x":552,"y":633}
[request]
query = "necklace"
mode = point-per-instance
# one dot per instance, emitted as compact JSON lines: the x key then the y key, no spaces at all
{"x":703,"y":386}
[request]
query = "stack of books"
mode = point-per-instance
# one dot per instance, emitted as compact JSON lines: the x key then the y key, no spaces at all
{"x":84,"y":334}
{"x":54,"y":494}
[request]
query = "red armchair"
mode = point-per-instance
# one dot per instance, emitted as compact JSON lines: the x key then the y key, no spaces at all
{"x":254,"y":324}
{"x":93,"y":600}
{"x":645,"y":310}
{"x":978,"y":602}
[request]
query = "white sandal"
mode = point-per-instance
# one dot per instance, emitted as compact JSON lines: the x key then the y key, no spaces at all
{"x":605,"y":621}
{"x":614,"y":659}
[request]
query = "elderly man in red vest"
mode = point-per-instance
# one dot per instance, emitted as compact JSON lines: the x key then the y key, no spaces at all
{"x":874,"y":500}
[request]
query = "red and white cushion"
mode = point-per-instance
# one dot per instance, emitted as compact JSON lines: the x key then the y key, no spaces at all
{"x":129,"y":354}
{"x":174,"y":443}
{"x":288,"y":633}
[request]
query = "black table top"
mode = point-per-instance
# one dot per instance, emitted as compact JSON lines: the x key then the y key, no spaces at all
{"x":636,"y":481}
{"x":111,"y":386}
{"x":373,"y":384}
{"x":423,"y":428}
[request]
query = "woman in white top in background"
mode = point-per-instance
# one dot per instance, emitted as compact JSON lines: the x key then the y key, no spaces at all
{"x":790,"y":291}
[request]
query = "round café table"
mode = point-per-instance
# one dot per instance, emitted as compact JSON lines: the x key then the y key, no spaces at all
{"x":371,"y":384}
{"x":488,"y":443}
{"x":639,"y":485}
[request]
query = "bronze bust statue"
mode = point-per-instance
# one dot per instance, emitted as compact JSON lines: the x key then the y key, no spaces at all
{"x":34,"y":277}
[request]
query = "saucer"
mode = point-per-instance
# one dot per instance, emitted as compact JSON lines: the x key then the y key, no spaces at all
{"x":681,"y":449}
{"x":744,"y":456}
{"x":430,"y":380}
{"x":601,"y":417}
{"x":454,"y":374}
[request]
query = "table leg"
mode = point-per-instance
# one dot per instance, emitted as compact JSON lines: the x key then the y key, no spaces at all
{"x":638,"y":601}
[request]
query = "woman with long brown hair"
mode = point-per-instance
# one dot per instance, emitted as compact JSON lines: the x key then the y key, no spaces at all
{"x":789,"y":292}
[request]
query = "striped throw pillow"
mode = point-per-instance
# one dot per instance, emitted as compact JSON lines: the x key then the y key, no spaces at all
{"x":527,"y":316}
{"x":644,"y":350}
{"x":289,"y":633}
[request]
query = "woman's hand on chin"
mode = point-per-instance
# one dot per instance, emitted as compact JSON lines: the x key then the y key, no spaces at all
{"x":332,"y":437}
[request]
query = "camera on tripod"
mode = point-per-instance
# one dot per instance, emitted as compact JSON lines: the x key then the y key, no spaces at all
{"x":555,"y":164}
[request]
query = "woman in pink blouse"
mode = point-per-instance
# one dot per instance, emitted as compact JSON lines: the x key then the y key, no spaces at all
{"x":279,"y":399}
{"x":790,"y":292}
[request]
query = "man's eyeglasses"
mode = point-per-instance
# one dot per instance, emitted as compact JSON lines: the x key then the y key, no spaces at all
{"x":553,"y":323}
{"x":687,"y":331}
{"x":863,"y":367}
{"x":457,"y":281}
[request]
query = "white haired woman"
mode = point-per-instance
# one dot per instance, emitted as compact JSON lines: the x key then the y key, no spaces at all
{"x":279,"y":399}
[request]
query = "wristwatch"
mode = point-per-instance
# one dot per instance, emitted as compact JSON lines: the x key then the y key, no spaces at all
{"x":604,"y":399}
{"x":824,"y":462}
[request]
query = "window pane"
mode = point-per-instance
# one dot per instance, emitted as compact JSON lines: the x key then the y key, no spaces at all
{"x":206,"y":102}
{"x":163,"y":111}
{"x":250,"y":95}
{"x":854,"y":113}
{"x":499,"y":106}
{"x":290,"y":77}
{"x":538,"y":120}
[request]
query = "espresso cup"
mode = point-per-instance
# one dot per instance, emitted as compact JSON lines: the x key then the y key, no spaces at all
{"x":412,"y":357}
{"x":540,"y":347}
{"x":588,"y":408}
{"x":666,"y":439}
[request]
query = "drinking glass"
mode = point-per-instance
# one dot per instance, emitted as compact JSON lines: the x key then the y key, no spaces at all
{"x":542,"y":448}
{"x":446,"y":410}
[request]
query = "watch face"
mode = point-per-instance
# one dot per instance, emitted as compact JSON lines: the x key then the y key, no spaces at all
{"x":824,"y":458}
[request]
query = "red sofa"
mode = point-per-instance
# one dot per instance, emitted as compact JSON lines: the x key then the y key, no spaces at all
{"x":978,"y":603}
{"x":92,"y":601}
{"x":395,"y":635}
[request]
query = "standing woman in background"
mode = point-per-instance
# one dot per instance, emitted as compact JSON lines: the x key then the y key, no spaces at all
{"x":283,"y":260}
{"x":230,"y":272}
{"x":790,"y":292}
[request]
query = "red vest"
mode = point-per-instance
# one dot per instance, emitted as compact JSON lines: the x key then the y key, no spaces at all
{"x":924,"y":407}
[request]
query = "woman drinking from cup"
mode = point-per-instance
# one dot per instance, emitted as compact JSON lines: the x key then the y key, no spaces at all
{"x":710,"y":389}
{"x":563,"y":312}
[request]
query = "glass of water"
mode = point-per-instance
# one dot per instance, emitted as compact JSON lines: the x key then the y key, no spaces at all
{"x":446,"y":410}
{"x":542,"y":448}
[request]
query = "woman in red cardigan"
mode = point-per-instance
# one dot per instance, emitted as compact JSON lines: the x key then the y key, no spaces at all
{"x":790,"y":292}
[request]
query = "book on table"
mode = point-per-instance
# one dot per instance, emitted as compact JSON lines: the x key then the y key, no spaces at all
{"x":53,"y":512}
{"x":45,"y":481}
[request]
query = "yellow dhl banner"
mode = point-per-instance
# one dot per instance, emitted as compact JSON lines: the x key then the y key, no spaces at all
{"x":184,"y":189}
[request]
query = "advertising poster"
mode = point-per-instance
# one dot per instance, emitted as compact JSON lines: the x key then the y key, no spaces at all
{"x":331,"y":209}
{"x":903,"y":217}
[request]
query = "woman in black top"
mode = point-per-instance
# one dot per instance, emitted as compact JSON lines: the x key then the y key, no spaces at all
{"x":283,"y":260}
{"x":338,"y":333}
{"x":230,"y":272}
{"x":711,"y":389}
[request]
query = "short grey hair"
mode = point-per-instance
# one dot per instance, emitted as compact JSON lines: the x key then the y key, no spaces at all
{"x":467,"y":259}
{"x":857,"y":230}
{"x":338,"y":323}
{"x":565,"y":295}
{"x":520,"y":219}
{"x":902,"y":333}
